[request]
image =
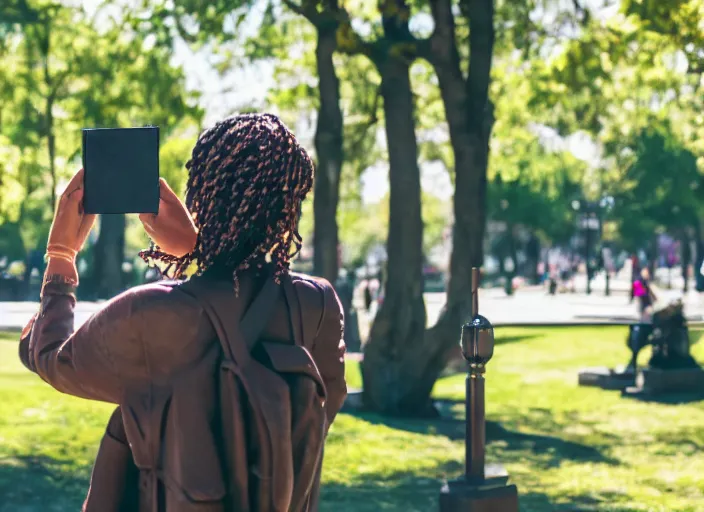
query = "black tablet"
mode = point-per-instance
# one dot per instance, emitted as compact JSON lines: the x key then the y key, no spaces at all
{"x":121,"y":167}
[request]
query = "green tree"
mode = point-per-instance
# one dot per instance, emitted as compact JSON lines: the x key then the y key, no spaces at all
{"x":329,"y":146}
{"x":530,"y":188}
{"x":661,"y":186}
{"x":69,"y":75}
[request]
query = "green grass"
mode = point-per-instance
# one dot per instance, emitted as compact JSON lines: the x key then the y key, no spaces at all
{"x":567,"y":448}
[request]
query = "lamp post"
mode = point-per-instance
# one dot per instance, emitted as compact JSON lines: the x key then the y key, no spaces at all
{"x":606,"y":204}
{"x":510,"y":273}
{"x":592,"y":221}
{"x":483,"y":488}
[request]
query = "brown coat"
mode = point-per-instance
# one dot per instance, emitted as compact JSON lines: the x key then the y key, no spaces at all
{"x":136,"y":352}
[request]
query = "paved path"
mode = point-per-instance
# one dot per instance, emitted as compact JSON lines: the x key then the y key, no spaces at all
{"x":531,"y":305}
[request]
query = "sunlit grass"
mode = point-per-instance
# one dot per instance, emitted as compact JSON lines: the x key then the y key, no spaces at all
{"x":567,"y":448}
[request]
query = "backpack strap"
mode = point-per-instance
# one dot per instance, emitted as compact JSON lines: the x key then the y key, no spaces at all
{"x":221,"y":307}
{"x":294,"y":310}
{"x":258,"y":313}
{"x":305,"y":335}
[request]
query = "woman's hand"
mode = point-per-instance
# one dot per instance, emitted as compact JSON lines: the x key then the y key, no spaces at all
{"x":172,"y":229}
{"x":71,"y":225}
{"x":69,"y":230}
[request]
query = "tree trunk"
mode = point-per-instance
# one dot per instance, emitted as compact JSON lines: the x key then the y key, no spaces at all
{"x":45,"y":43}
{"x":470,"y":118}
{"x":396,"y":356}
{"x":401,"y":382}
{"x":402,"y":362}
{"x":108,"y":254}
{"x":329,"y":150}
{"x":480,"y":116}
{"x":51,"y":146}
{"x":468,"y":229}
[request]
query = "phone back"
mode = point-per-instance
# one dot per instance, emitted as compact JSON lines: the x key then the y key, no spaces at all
{"x":121,"y":168}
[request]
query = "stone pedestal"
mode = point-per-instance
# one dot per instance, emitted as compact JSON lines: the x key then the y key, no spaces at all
{"x":654,"y":381}
{"x":608,"y":378}
{"x":489,"y":494}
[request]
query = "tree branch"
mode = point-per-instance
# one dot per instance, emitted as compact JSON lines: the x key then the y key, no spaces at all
{"x":350,"y":42}
{"x":20,"y":12}
{"x":582,"y":13}
{"x":308,"y":13}
{"x":481,"y":39}
{"x":185,"y":35}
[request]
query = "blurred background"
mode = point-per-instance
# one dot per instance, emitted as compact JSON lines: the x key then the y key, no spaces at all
{"x":573,"y":148}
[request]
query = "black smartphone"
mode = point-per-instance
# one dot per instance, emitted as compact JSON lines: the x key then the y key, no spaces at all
{"x":121,"y":170}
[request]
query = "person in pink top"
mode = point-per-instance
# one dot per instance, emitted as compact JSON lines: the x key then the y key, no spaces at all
{"x":644,"y":294}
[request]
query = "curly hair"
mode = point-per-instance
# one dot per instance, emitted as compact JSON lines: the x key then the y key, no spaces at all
{"x":247,"y":179}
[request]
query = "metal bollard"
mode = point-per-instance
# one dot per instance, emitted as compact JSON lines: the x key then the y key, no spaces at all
{"x":483,"y":488}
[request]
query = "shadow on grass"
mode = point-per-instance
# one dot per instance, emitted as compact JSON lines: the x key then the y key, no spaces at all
{"x":605,"y":501}
{"x":668,"y":398}
{"x":406,"y":491}
{"x":40,"y":483}
{"x":505,"y":340}
{"x":549,"y":450}
{"x":43,"y":484}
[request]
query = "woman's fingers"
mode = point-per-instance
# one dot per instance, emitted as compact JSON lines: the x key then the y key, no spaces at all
{"x":76,"y":196}
{"x":165,"y":191}
{"x":74,"y":184}
{"x":147,"y":220}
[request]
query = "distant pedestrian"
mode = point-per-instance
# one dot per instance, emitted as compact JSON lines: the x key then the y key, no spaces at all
{"x":635,"y":273}
{"x":644,"y":294}
{"x":552,"y":283}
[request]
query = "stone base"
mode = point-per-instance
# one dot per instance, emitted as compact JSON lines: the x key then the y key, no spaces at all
{"x":462,"y":496}
{"x":652,"y":381}
{"x":607,"y":378}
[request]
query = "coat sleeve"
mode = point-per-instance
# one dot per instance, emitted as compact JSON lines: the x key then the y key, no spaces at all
{"x":329,"y":351}
{"x":81,"y":362}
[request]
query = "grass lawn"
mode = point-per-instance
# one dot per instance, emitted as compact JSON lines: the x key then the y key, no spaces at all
{"x":567,"y":448}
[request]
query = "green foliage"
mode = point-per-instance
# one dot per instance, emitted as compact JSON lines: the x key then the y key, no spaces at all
{"x":363,"y":226}
{"x":627,"y":81}
{"x":11,"y":186}
{"x":532,"y":186}
{"x":611,"y":76}
{"x":660,"y":186}
{"x":60,"y":74}
{"x":529,"y":184}
{"x":173,"y":156}
{"x":681,"y":21}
